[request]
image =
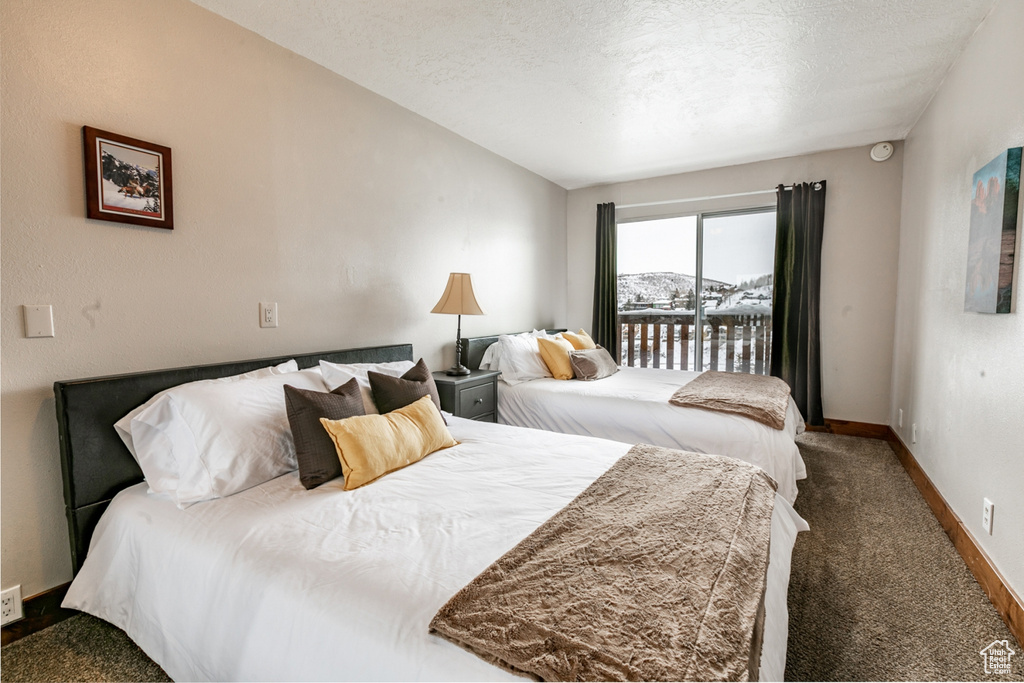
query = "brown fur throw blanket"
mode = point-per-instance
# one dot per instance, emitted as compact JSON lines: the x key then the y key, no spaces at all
{"x":657,"y":571}
{"x":759,"y":397}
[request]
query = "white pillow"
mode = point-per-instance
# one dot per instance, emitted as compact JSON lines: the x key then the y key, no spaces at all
{"x":123,"y":426}
{"x":492,"y":357}
{"x":520,"y":359}
{"x":222,"y":437}
{"x":336,"y":374}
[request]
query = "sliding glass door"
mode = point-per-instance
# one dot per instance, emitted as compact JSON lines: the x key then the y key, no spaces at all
{"x":736,"y":299}
{"x":695,"y":291}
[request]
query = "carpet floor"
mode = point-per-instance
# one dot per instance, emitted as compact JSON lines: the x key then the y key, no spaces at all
{"x":877,"y":591}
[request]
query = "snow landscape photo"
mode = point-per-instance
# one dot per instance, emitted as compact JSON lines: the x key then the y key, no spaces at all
{"x":130,"y":180}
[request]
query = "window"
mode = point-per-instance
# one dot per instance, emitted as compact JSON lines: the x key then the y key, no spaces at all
{"x":704,"y":278}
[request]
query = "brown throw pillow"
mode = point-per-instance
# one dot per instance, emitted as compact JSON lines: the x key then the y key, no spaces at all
{"x":314,"y":448}
{"x":391,"y":393}
{"x":591,"y":364}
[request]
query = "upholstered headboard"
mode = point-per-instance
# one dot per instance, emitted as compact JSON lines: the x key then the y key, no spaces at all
{"x":473,"y":348}
{"x":95,"y":463}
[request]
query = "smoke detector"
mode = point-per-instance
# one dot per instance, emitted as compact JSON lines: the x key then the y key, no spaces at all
{"x":881,"y":151}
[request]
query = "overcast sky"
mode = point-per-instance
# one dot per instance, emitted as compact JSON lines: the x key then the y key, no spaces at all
{"x":735,"y":247}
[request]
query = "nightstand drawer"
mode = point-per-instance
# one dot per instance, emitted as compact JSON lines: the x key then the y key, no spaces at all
{"x":477,"y":400}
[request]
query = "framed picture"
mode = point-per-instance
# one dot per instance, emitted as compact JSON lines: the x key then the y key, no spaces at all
{"x":992,"y":244}
{"x":127,"y":180}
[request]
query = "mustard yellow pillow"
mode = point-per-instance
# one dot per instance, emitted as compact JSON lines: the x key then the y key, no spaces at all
{"x":580,"y":341}
{"x":370,"y":446}
{"x":555,"y":353}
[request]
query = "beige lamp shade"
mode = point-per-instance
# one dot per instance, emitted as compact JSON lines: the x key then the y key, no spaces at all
{"x":458,"y":297}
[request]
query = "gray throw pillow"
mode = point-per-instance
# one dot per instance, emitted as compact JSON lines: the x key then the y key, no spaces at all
{"x":591,"y":364}
{"x":391,"y":393}
{"x":317,"y":457}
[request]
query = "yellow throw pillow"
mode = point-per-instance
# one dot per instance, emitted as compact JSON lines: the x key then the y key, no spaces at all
{"x":580,"y":341}
{"x":555,"y":353}
{"x":370,"y":446}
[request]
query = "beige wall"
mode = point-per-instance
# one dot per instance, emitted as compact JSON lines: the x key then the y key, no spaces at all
{"x":858,"y":290}
{"x":960,"y":376}
{"x":291,"y":185}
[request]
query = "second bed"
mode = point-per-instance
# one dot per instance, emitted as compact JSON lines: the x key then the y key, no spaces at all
{"x":632,"y":406}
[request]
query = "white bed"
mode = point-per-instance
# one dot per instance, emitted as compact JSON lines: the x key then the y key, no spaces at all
{"x":281,"y":583}
{"x":632,"y":406}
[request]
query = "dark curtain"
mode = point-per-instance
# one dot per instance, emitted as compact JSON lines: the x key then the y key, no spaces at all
{"x":795,"y":331}
{"x":606,"y":329}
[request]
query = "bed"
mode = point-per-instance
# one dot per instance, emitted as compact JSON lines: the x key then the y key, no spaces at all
{"x":632,"y":406}
{"x":282,"y":583}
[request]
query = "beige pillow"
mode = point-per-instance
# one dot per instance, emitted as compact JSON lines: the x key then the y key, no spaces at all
{"x":591,"y":364}
{"x":371,"y":446}
{"x":580,"y":340}
{"x":555,"y":353}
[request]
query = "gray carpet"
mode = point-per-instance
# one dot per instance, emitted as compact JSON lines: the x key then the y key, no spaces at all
{"x":877,"y":590}
{"x":81,"y":648}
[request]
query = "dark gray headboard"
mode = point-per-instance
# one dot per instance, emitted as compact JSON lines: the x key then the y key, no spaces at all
{"x":473,"y":348}
{"x":95,"y":463}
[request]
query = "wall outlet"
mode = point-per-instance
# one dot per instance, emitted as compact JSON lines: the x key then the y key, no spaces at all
{"x":913,"y":433}
{"x":899,"y":420}
{"x":268,"y":314}
{"x":986,"y":516}
{"x":10,"y":605}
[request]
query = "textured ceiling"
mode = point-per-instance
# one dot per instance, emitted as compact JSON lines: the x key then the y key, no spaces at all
{"x":594,"y":91}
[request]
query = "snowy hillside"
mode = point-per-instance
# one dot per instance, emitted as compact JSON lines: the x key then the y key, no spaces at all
{"x":650,"y":287}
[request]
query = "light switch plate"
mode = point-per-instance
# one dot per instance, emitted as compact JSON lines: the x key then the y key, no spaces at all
{"x":38,"y":320}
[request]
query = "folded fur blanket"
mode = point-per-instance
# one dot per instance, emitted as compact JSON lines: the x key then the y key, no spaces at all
{"x":759,"y":397}
{"x":656,"y":572}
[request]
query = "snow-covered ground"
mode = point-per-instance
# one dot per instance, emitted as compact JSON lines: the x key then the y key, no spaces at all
{"x":111,"y":197}
{"x":742,"y":307}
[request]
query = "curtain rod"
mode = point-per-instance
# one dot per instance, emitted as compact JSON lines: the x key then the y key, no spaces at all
{"x":817,"y":186}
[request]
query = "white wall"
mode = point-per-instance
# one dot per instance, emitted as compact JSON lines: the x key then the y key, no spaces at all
{"x":858,"y":290}
{"x":291,"y":184}
{"x":960,"y":376}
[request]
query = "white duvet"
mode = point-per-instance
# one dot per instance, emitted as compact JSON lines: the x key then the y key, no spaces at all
{"x":280,"y":583}
{"x":632,"y":406}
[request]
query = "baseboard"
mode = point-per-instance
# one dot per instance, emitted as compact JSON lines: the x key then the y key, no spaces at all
{"x":850,"y":428}
{"x":1007,"y":603}
{"x":40,"y":611}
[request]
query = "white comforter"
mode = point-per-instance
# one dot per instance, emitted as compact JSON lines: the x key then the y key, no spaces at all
{"x":280,"y":583}
{"x":632,"y":406}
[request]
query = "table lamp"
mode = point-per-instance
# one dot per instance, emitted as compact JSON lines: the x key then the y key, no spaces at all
{"x":458,"y":299}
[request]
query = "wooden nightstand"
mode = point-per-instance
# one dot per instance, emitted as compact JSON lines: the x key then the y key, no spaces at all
{"x":473,"y":396}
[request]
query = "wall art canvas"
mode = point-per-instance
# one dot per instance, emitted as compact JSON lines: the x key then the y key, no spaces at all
{"x":127,"y":180}
{"x":990,"y":251}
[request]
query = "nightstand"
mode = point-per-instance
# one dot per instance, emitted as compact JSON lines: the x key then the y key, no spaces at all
{"x":473,"y":396}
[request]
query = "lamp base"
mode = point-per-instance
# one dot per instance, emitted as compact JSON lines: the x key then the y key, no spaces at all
{"x":457,"y":370}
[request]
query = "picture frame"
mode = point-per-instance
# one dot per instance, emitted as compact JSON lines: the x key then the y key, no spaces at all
{"x":127,"y":180}
{"x":991,"y":248}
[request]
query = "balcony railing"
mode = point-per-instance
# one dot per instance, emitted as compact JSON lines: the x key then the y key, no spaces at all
{"x":732,"y":341}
